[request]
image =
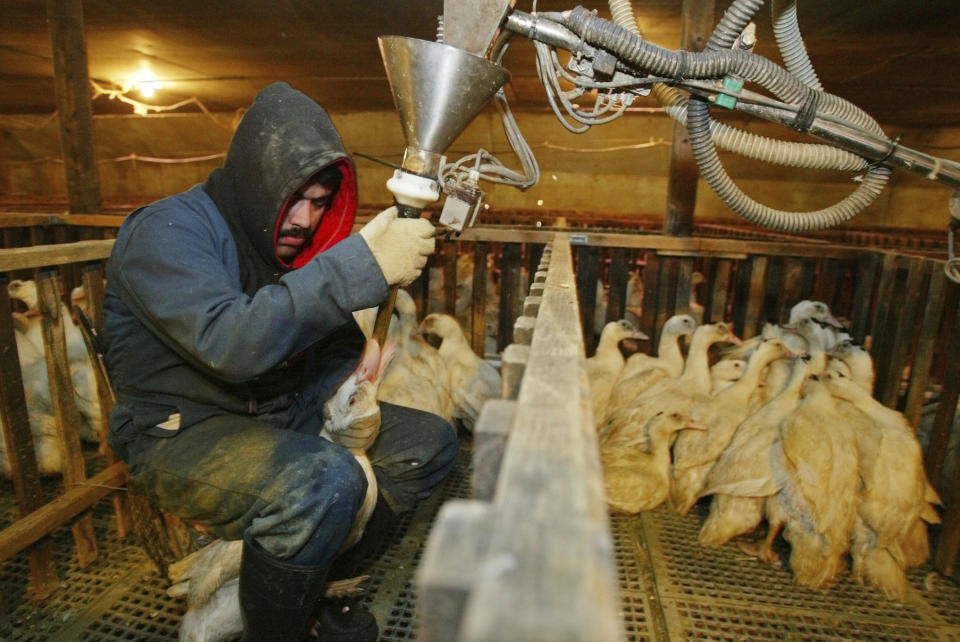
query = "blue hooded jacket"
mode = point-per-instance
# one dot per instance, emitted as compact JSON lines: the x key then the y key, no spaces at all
{"x":202,"y":318}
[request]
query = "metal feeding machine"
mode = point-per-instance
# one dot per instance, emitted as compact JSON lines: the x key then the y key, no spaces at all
{"x":439,"y":87}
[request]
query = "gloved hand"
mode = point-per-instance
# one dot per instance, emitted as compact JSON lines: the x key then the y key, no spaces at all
{"x":400,"y":245}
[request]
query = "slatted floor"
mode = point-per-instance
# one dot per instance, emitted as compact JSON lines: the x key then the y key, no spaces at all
{"x":671,"y":589}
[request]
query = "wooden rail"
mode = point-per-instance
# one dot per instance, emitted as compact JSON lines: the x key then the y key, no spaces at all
{"x":536,"y":562}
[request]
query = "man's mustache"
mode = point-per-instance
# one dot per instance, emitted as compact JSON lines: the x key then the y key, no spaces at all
{"x":297,"y":232}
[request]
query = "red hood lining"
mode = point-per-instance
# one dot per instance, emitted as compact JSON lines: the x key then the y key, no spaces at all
{"x":336,"y":223}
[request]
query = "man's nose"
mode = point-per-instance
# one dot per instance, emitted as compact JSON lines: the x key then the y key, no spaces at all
{"x":300,"y":214}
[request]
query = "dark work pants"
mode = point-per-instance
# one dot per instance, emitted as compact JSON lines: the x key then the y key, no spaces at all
{"x":295,"y":494}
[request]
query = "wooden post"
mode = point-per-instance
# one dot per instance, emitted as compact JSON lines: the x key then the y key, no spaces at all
{"x":75,"y":113}
{"x":18,"y":442}
{"x":696,"y":24}
{"x":64,"y":406}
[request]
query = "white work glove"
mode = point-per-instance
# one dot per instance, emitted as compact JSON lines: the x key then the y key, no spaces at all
{"x":400,"y":245}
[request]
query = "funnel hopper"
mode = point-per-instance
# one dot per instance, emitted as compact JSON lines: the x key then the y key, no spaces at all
{"x":438,"y":89}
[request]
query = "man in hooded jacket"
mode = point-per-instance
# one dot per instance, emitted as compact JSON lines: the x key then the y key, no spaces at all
{"x":228,"y":323}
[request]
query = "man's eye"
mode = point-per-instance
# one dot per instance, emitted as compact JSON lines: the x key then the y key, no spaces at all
{"x":320,"y":203}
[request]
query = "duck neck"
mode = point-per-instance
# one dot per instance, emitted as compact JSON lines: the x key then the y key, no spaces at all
{"x":696,"y":370}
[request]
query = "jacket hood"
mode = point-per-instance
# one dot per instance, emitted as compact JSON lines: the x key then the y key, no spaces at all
{"x":281,"y":142}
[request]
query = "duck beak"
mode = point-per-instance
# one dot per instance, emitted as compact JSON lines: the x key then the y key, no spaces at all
{"x":695,"y":425}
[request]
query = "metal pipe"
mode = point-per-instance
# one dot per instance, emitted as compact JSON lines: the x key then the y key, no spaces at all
{"x":864,"y":144}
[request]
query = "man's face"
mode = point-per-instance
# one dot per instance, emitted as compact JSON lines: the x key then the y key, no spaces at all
{"x":301,"y":220}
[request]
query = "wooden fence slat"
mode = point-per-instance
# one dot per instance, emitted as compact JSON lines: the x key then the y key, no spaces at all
{"x":718,"y":292}
{"x":588,"y":263}
{"x":489,"y":442}
{"x":450,"y":276}
{"x":478,"y":301}
{"x":651,"y":282}
{"x":792,"y":291}
{"x":867,"y":267}
{"x":65,"y":410}
{"x":18,"y":445}
{"x":617,"y":293}
{"x":882,"y":322}
{"x":904,"y":332}
{"x":923,"y":358}
{"x":41,"y":255}
{"x":50,"y":516}
{"x":755,"y":298}
{"x":945,"y":558}
{"x":509,"y":291}
{"x":827,"y":283}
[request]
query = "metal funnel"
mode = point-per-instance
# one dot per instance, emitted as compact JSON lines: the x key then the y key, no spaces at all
{"x":438,"y":89}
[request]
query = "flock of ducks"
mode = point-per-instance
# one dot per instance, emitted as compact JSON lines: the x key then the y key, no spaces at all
{"x":782,"y":428}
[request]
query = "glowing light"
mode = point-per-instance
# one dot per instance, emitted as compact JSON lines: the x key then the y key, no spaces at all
{"x":146,"y":82}
{"x":553,"y":176}
{"x":539,"y":201}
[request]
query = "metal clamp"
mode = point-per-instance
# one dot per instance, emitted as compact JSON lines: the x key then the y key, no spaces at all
{"x":952,"y":267}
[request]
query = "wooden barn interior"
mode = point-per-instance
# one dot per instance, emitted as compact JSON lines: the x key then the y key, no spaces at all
{"x":108,"y":106}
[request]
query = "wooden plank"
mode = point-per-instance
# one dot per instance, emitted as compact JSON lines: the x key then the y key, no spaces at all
{"x":71,"y":83}
{"x":588,"y":264}
{"x":693,"y":246}
{"x":792,"y":290}
{"x":617,"y":293}
{"x":38,"y":256}
{"x":923,"y":358}
{"x":904,"y":331}
{"x":755,"y":297}
{"x":684,"y":286}
{"x":65,"y":410}
{"x":536,"y":581}
{"x":491,"y":432}
{"x":523,"y":329}
{"x":93,"y":284}
{"x":867,"y":268}
{"x":18,"y":445}
{"x":531,"y":305}
{"x":513,"y":361}
{"x":718,"y":293}
{"x":651,"y":286}
{"x":666,"y":302}
{"x":827,"y":283}
{"x":945,"y":558}
{"x":30,"y":219}
{"x":696,"y":24}
{"x":882,"y":322}
{"x":54,"y":514}
{"x":944,"y":417}
{"x":478,"y":299}
{"x":509,"y":291}
{"x":446,"y":574}
{"x":450,"y":275}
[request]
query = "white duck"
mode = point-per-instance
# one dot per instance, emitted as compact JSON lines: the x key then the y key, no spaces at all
{"x":471,"y":379}
{"x":642,"y":370}
{"x":695,"y":452}
{"x":605,"y":365}
{"x":741,"y":479}
{"x":637,"y":479}
{"x":410,"y":380}
{"x":895,"y":494}
{"x":815,"y":465}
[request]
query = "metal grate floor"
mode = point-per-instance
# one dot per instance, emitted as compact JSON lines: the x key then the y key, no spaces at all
{"x":671,"y":588}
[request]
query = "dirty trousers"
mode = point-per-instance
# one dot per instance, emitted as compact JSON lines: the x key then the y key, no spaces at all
{"x":295,"y":494}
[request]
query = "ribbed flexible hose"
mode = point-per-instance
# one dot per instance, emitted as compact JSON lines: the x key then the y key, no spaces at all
{"x":734,"y":20}
{"x":786,"y":31}
{"x":719,"y":61}
{"x":762,"y":148}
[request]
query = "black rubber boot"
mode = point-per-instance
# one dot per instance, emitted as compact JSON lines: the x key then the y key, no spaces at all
{"x":344,"y":619}
{"x":350,"y":563}
{"x":277,"y":599}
